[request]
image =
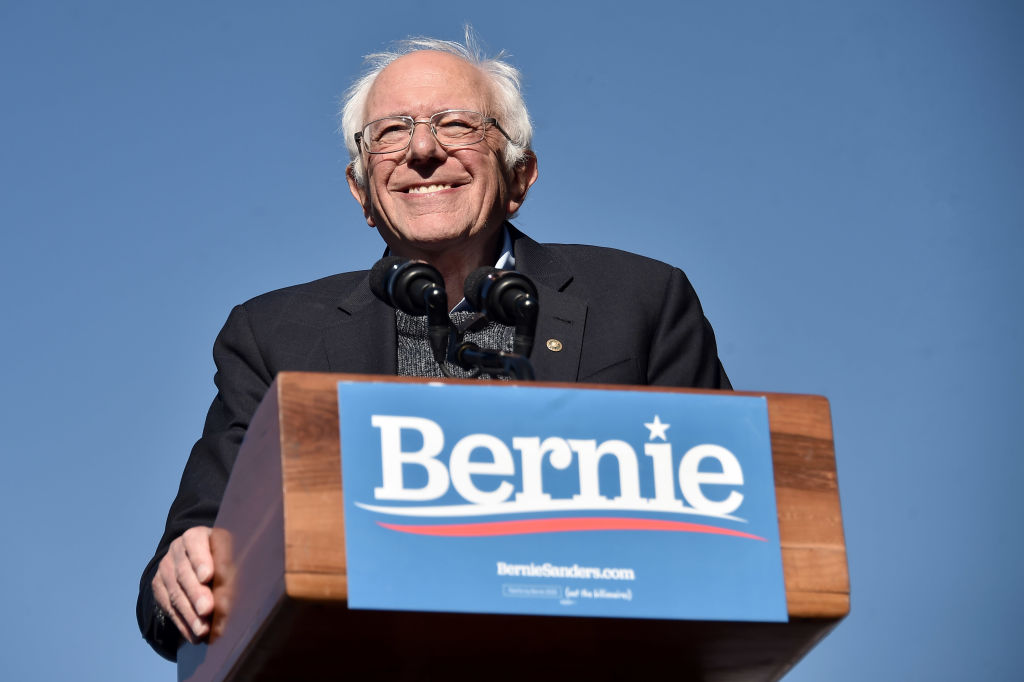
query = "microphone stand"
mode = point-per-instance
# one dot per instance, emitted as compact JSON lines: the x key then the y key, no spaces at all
{"x":468,"y":355}
{"x":439,"y":324}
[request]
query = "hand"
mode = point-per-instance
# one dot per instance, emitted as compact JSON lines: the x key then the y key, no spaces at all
{"x":181,"y":584}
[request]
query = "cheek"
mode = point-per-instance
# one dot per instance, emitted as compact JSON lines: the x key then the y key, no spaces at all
{"x":378,"y":176}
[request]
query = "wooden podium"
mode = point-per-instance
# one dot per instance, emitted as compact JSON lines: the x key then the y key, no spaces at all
{"x":280,"y":583}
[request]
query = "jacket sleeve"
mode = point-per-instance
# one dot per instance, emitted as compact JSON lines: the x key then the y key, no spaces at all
{"x":242,"y":379}
{"x":683,"y":351}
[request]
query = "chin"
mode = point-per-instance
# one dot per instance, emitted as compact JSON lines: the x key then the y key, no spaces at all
{"x":435,"y":234}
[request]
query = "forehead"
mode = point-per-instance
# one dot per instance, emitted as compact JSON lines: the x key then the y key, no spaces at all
{"x":423,"y":83}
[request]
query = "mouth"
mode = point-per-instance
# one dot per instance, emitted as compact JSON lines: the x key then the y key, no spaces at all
{"x":428,"y":189}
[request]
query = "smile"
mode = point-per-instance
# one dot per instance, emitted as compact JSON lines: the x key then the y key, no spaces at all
{"x":427,"y":189}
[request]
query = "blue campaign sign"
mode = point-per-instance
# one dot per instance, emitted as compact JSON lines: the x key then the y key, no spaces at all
{"x":528,"y":500}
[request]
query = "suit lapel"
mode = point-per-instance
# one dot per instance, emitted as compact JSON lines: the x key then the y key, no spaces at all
{"x":363,"y":341}
{"x":559,"y":338}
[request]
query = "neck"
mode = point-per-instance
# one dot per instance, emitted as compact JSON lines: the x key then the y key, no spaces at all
{"x":455,"y":262}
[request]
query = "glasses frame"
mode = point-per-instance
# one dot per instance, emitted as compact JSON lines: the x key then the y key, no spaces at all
{"x":360,"y":137}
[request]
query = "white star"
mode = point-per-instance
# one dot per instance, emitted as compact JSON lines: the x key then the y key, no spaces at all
{"x":657,"y":428}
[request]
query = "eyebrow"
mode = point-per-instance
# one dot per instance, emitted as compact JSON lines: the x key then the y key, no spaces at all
{"x":404,"y":113}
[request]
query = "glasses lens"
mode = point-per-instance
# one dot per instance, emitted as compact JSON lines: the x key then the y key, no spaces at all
{"x":452,"y":129}
{"x":387,"y":134}
{"x":458,"y":127}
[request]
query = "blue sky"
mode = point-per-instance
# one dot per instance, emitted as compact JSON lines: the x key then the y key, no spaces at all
{"x":841,"y":184}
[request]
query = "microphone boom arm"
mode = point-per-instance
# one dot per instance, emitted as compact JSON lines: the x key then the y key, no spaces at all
{"x":468,"y":355}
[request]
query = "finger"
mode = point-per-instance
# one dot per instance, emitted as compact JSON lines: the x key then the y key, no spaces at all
{"x":192,"y":600}
{"x":197,"y":570}
{"x":170,"y":604}
{"x":160,"y":592}
{"x":198,"y":595}
{"x":197,"y":548}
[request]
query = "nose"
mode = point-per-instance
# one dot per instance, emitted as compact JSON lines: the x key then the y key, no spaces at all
{"x":424,"y":146}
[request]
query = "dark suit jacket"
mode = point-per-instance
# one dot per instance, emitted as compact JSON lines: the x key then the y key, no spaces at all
{"x":621,"y":319}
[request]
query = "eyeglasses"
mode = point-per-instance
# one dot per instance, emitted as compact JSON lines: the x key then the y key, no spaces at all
{"x":452,"y":128}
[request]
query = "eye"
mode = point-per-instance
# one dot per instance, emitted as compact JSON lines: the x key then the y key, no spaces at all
{"x":457,"y":125}
{"x":390,"y":130}
{"x":454,"y":124}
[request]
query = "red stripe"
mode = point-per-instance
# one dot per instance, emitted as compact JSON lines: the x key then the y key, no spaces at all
{"x":559,"y":525}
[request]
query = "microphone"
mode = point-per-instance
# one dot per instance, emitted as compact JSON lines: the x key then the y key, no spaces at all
{"x":508,"y":297}
{"x":468,"y":355}
{"x":416,"y":288}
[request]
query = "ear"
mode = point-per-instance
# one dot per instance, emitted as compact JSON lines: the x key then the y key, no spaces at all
{"x":361,"y":194}
{"x":521,"y":179}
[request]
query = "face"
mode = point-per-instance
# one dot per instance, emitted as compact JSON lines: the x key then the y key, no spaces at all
{"x":428,"y":199}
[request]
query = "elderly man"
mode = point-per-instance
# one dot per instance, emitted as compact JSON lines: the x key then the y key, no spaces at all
{"x":440,"y":146}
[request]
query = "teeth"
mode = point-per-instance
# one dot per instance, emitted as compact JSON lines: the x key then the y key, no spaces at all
{"x":428,"y":188}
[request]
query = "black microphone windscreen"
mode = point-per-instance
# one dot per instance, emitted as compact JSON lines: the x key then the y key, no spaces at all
{"x":473,"y":289}
{"x":381,"y":273}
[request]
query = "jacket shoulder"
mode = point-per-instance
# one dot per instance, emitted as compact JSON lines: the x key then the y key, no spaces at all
{"x":605,"y":268}
{"x":333,"y":287}
{"x":309,"y":302}
{"x":603,"y":254}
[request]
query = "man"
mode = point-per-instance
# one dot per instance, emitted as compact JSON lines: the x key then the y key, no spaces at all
{"x":440,"y":146}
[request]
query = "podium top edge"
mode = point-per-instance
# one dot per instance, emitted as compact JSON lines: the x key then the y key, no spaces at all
{"x":321,"y":379}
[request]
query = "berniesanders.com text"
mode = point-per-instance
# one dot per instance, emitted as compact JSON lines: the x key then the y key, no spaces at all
{"x":548,"y":570}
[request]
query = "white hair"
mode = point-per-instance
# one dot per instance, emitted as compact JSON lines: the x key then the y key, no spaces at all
{"x":505,"y":79}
